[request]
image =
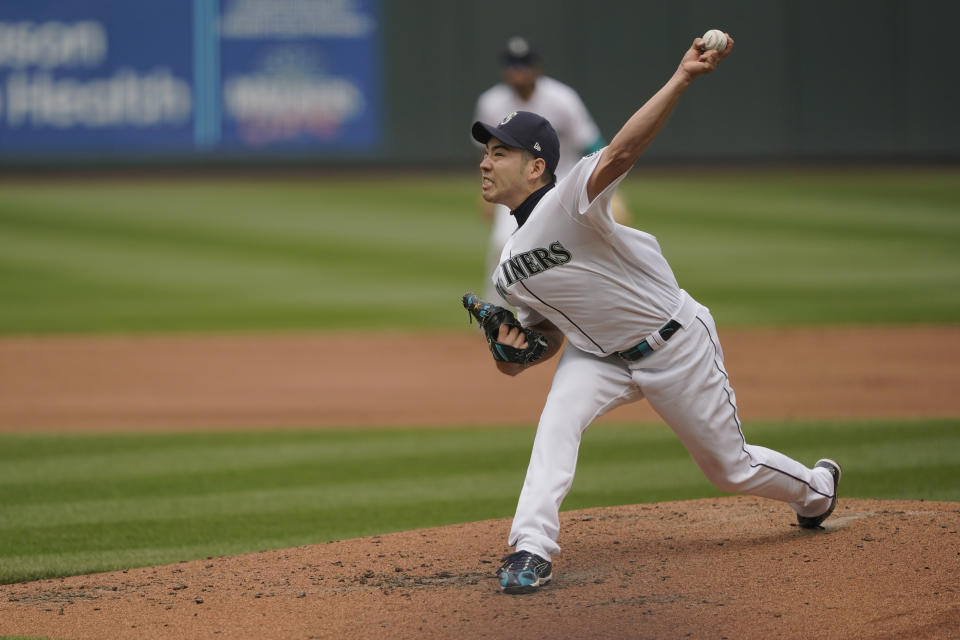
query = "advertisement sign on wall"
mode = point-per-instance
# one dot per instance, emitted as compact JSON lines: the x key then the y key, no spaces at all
{"x":184,"y":76}
{"x":298,"y":72}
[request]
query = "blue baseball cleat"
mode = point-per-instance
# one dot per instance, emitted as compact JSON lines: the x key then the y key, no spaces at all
{"x":524,"y":572}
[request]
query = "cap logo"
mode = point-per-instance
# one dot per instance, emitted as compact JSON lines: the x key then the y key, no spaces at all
{"x":518,"y":47}
{"x":508,"y":118}
{"x":536,"y":145}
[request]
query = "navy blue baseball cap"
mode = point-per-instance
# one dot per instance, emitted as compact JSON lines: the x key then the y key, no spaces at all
{"x":523,"y":130}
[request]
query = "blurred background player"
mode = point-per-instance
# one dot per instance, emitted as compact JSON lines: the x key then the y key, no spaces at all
{"x":525,"y":88}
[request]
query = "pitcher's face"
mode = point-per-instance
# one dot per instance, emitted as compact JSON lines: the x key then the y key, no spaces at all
{"x":503,"y":174}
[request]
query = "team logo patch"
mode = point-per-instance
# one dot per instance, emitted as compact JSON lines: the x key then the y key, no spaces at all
{"x":508,"y":118}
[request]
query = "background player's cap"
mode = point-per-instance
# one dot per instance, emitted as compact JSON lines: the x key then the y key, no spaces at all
{"x":524,"y":130}
{"x":519,"y":53}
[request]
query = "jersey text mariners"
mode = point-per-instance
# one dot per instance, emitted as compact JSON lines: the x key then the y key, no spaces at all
{"x":526,"y":264}
{"x":552,"y":268}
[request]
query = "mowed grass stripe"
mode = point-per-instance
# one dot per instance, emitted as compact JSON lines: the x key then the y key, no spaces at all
{"x":351,"y":483}
{"x":280,"y":210}
{"x":805,"y":211}
{"x":225,"y":256}
{"x":319,"y":247}
{"x":249,"y":265}
{"x":299,"y":524}
{"x":309,"y":498}
{"x":758,"y":247}
{"x":128,"y":458}
{"x":808,"y":248}
{"x":287,"y":223}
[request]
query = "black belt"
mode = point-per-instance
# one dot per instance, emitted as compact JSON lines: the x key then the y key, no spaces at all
{"x":644,"y":349}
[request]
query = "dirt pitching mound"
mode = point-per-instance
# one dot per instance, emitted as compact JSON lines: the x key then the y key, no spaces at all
{"x":732,"y":567}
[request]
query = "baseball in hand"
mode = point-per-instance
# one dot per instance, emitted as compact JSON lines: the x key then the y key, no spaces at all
{"x":714,"y":39}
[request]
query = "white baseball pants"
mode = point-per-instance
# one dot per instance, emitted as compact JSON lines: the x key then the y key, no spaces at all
{"x":686,"y":384}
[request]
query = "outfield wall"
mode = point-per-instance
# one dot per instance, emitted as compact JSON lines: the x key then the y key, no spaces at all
{"x":393,"y":82}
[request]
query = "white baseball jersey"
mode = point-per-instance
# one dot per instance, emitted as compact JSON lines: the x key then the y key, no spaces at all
{"x":576,"y":131}
{"x":605,"y":285}
{"x":556,"y":102}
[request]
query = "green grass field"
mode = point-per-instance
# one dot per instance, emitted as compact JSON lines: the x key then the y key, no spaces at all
{"x":759,"y":248}
{"x":85,"y":503}
{"x":245,"y":254}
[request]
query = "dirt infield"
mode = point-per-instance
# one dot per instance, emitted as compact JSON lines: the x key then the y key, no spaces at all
{"x":717,"y":568}
{"x":321,"y":380}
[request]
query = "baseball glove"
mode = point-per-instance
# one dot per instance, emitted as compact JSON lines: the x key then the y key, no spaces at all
{"x":490,"y":316}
